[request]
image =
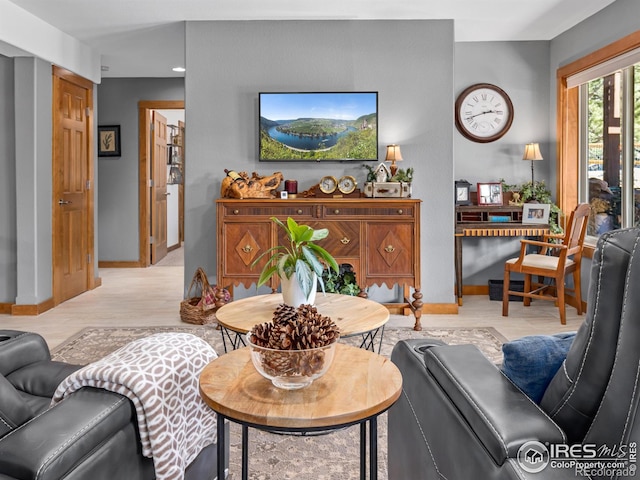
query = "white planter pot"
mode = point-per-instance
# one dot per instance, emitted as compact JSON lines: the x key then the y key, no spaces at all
{"x":292,"y":293}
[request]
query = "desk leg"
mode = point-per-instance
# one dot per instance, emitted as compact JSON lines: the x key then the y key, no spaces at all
{"x":222,"y":460}
{"x":373,"y":448}
{"x":245,"y":452}
{"x":458,"y":266}
{"x":363,"y":451}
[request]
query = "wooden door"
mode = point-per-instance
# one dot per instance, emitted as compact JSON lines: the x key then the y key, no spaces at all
{"x":159,"y":188}
{"x":72,"y":216}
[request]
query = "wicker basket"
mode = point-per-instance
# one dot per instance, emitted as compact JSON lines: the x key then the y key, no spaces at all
{"x":194,"y":309}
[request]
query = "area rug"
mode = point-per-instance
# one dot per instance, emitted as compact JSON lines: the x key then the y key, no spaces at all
{"x":333,"y":456}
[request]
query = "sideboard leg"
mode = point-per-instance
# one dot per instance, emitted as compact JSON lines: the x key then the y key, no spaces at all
{"x":417,"y":308}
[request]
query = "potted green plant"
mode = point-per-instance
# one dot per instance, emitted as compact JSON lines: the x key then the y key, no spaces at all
{"x":298,"y":264}
{"x":343,"y":282}
{"x":536,"y":192}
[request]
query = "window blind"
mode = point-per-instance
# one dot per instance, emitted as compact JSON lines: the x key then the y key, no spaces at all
{"x":605,"y":68}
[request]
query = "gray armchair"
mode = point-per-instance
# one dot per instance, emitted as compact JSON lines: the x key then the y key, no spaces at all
{"x":93,"y":434}
{"x":460,"y":418}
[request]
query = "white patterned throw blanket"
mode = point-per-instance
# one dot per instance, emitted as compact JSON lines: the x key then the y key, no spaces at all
{"x":160,"y":374}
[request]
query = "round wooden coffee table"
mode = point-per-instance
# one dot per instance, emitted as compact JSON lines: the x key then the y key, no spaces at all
{"x":352,"y":315}
{"x":359,"y":386}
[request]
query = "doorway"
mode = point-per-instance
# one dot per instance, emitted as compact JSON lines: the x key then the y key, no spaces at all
{"x":152,"y":187}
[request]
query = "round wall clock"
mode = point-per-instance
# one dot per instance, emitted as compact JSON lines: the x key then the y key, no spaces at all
{"x":483,"y":112}
{"x":328,"y":184}
{"x":347,"y":184}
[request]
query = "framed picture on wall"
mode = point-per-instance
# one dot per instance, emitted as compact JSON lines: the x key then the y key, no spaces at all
{"x":490,"y":193}
{"x":109,"y":141}
{"x":535,"y":213}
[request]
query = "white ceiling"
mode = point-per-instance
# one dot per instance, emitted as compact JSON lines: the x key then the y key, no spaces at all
{"x":145,"y":38}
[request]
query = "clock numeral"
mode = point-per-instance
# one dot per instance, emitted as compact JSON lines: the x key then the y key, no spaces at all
{"x":498,"y":104}
{"x":468,"y":113}
{"x":474,"y":126}
{"x":469,"y":120}
{"x":475,"y":99}
{"x":498,"y":121}
{"x":499,"y":112}
{"x":484,"y":96}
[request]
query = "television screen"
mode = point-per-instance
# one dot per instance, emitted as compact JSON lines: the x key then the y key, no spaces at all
{"x":318,"y":126}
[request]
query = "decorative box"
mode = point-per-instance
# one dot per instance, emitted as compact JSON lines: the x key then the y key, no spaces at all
{"x":387,"y":189}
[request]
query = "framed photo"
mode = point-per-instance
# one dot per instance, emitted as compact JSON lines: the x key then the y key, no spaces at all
{"x":109,"y":141}
{"x":490,"y":193}
{"x":535,"y":213}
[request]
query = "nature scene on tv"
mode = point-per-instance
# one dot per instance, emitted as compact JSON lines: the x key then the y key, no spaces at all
{"x":318,"y":126}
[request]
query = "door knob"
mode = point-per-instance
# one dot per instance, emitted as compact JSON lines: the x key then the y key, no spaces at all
{"x":64,"y":202}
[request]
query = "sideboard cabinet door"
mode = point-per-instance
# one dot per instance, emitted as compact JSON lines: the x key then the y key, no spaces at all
{"x":390,"y":251}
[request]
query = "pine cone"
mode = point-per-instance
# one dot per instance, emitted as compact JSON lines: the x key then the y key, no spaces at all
{"x":285,"y":313}
{"x":294,"y":329}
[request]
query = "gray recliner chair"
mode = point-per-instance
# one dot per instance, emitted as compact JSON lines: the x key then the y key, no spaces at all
{"x":93,"y":434}
{"x":459,"y":417}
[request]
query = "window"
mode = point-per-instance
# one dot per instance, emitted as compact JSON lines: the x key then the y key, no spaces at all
{"x":609,"y":162}
{"x":599,"y":135}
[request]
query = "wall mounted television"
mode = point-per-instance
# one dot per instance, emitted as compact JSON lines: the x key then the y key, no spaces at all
{"x":318,"y":126}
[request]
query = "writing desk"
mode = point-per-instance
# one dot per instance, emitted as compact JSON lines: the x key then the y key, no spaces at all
{"x":489,"y":221}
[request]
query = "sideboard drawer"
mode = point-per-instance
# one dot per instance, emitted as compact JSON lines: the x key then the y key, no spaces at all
{"x":343,"y":239}
{"x":336,"y":211}
{"x":282,"y":210}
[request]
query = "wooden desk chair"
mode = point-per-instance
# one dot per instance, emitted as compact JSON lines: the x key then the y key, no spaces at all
{"x":564,"y":258}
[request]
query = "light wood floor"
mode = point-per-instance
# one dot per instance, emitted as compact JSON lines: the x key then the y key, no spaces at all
{"x":151,"y":296}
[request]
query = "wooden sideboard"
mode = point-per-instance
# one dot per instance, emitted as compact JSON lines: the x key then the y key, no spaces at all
{"x":379,"y":237}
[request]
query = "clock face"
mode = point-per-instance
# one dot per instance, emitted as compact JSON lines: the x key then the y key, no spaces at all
{"x":347,"y":184}
{"x":328,"y":184}
{"x":483,"y":112}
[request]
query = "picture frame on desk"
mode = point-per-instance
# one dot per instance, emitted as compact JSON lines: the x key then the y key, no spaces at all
{"x":536,"y":213}
{"x":489,"y":193}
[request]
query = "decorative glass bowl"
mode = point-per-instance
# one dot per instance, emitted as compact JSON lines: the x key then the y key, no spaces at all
{"x":292,"y":369}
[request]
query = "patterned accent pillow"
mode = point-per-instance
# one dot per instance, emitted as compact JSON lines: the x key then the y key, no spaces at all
{"x":531,"y":362}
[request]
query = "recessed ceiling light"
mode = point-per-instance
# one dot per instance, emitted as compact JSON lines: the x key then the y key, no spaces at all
{"x":179,"y":69}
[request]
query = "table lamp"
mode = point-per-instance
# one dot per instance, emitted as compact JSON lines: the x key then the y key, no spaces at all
{"x":532,"y":152}
{"x":393,"y":155}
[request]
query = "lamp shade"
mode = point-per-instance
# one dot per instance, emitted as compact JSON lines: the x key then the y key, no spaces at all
{"x":393,"y":153}
{"x":532,"y":152}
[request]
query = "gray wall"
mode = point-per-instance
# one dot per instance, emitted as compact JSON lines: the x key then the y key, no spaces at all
{"x":117,"y":177}
{"x":521,"y":69}
{"x":33,"y":124}
{"x":8,"y":235}
{"x":410,"y":64}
